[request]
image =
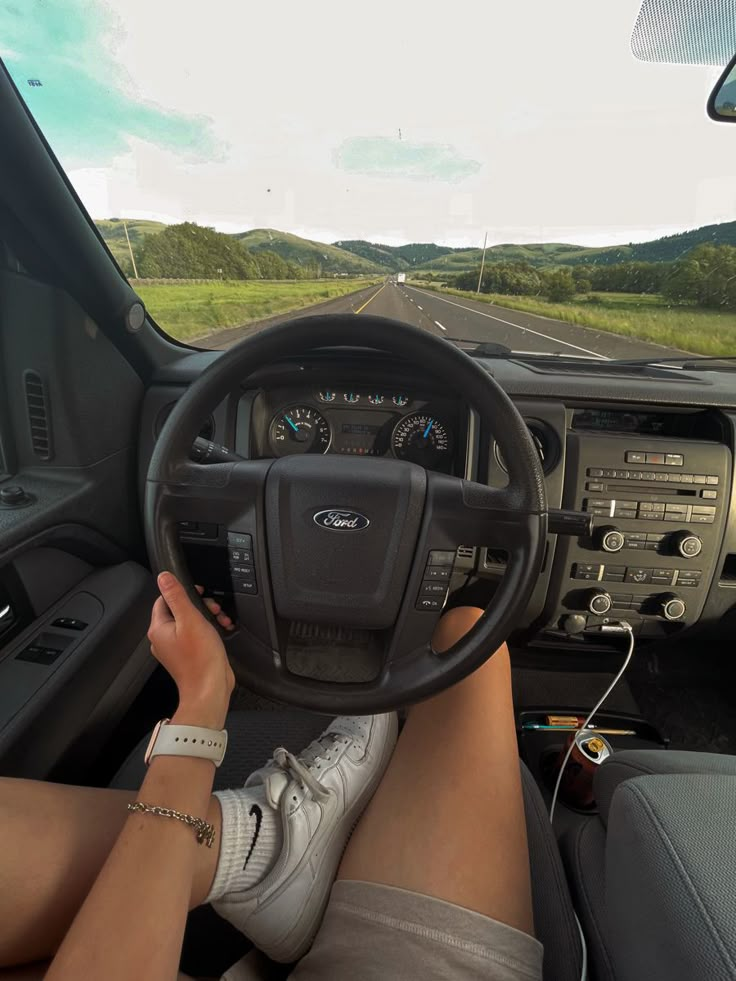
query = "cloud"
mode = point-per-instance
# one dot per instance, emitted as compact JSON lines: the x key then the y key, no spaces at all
{"x":384,"y":157}
{"x":86,"y":102}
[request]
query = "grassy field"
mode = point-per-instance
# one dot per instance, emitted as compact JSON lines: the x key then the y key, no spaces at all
{"x":191,"y":310}
{"x":648,"y":318}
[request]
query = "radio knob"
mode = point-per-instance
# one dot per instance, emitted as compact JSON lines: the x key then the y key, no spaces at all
{"x":611,"y":539}
{"x":598,"y":601}
{"x":686,"y":544}
{"x":672,"y":607}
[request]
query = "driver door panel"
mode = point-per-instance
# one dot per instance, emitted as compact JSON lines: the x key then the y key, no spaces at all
{"x":71,"y":669}
{"x":69,"y":417}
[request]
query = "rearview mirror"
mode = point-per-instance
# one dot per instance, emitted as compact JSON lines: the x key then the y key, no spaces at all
{"x":722,"y":102}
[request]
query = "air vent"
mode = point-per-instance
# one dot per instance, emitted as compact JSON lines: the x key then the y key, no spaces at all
{"x":465,"y":552}
{"x":546,"y":441}
{"x":39,"y":415}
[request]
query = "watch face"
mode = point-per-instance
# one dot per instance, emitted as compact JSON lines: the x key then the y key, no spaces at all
{"x":152,"y":740}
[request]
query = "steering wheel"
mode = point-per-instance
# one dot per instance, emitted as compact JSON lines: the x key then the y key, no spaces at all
{"x":366,"y":567}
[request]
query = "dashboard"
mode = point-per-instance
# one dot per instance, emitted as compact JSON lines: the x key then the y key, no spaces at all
{"x":651,"y":458}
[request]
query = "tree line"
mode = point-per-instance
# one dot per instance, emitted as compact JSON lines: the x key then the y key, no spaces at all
{"x":190,"y":251}
{"x":706,"y":276}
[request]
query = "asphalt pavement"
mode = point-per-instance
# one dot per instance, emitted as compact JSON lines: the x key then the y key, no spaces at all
{"x":458,"y":318}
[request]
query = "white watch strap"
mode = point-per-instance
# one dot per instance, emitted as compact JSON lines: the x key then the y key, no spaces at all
{"x":205,"y":744}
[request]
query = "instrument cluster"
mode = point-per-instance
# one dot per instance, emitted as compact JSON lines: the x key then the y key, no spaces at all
{"x":361,"y":421}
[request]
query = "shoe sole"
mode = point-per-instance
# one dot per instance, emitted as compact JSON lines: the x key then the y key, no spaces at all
{"x":300,"y":938}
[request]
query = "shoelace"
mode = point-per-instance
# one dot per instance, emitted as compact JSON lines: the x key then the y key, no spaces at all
{"x":300,"y":771}
{"x":343,"y":730}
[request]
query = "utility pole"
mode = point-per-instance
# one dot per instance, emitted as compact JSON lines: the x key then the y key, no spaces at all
{"x":130,"y":249}
{"x":482,"y":262}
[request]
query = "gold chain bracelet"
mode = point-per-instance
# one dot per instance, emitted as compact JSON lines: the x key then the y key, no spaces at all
{"x":205,"y":832}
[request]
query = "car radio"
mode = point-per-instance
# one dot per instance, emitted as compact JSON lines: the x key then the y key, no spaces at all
{"x":659,"y":511}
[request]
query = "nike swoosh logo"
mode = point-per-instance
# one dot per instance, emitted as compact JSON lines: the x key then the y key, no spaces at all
{"x":255,"y":809}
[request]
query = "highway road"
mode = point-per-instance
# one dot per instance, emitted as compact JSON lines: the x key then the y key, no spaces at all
{"x":470,"y":320}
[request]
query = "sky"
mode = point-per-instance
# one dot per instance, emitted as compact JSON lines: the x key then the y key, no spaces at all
{"x":394,"y":122}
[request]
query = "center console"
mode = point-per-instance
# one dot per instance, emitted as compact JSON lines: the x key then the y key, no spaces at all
{"x":660,"y":504}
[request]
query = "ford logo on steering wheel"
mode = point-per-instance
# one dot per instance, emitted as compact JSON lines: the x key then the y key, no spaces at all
{"x":341,"y":520}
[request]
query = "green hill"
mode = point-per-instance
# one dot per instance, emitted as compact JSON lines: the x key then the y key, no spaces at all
{"x":381,"y":255}
{"x":326,"y":259}
{"x":665,"y":249}
{"x":543,"y":254}
{"x":396,"y":257}
{"x":357,"y":257}
{"x":113,"y":232}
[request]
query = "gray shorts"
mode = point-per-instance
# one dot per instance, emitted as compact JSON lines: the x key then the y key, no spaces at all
{"x":373,"y":932}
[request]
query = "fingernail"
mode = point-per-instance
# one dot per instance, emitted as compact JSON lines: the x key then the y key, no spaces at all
{"x":165,"y":580}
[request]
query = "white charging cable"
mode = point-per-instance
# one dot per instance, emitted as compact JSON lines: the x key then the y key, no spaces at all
{"x":626,"y":627}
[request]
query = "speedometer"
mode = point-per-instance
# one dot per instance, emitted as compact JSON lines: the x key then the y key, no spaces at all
{"x":424,"y":439}
{"x":299,"y":429}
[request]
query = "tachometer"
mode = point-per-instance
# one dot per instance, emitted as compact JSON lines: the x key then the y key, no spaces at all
{"x":299,"y":429}
{"x":423,"y":438}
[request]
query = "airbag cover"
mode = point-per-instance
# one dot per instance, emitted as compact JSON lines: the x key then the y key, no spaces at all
{"x":341,"y":537}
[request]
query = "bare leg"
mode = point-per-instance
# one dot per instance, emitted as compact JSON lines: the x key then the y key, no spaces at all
{"x":448,"y":817}
{"x":56,"y":840}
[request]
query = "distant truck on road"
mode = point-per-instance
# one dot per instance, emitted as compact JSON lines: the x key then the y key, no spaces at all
{"x":401,"y":277}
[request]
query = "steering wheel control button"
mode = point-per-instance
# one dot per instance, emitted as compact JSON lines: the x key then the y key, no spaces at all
{"x":242,"y":568}
{"x":242,"y":572}
{"x":441,"y":558}
{"x":430,"y":603}
{"x":238,"y":539}
{"x":433,"y":588}
{"x":437,"y":572}
{"x":240,"y":556}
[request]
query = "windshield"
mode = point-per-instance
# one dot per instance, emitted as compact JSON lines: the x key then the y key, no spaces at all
{"x":509,"y":176}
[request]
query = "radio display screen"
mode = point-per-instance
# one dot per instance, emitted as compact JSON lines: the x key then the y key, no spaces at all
{"x":612,"y":420}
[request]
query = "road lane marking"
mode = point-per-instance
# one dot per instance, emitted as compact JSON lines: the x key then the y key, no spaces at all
{"x":419,"y":308}
{"x":440,"y":326}
{"x":370,"y":300}
{"x":509,"y":323}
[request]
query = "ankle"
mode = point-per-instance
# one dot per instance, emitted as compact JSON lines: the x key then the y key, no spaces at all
{"x":207,"y":858}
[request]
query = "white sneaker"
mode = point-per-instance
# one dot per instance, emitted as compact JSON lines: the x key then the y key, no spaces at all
{"x":320,"y":794}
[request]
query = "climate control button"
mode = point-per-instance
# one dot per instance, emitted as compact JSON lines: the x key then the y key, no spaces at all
{"x":598,"y":601}
{"x":672,"y":607}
